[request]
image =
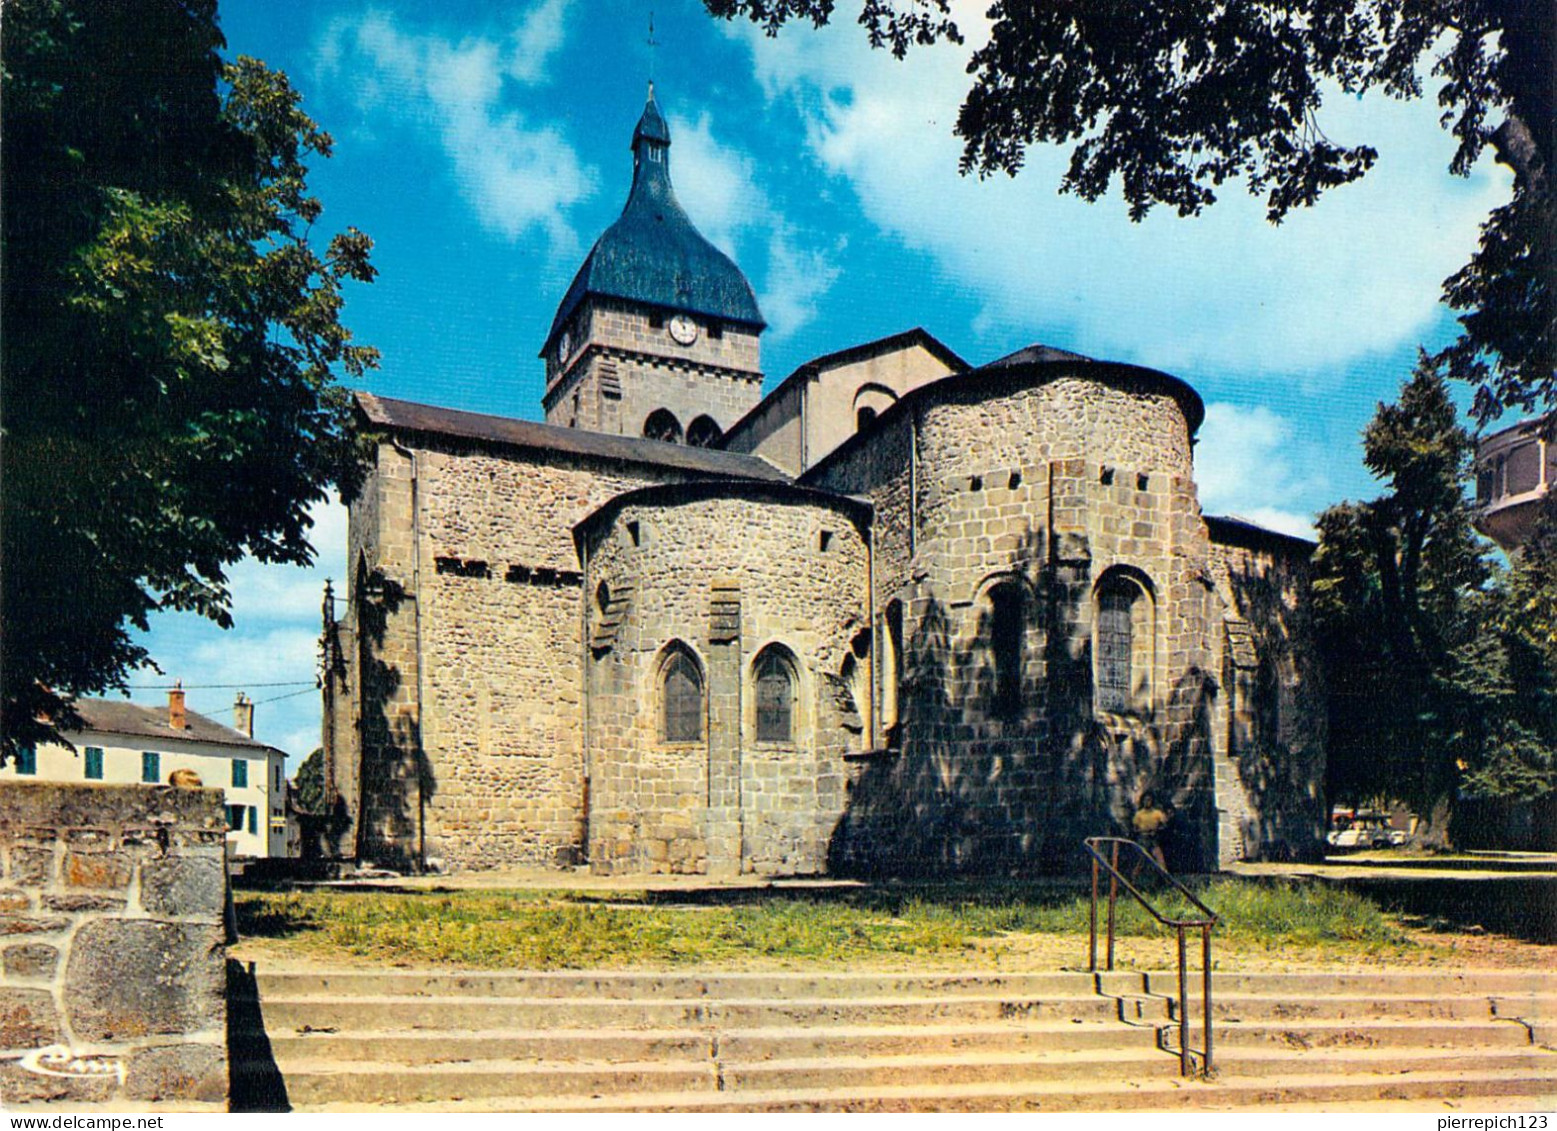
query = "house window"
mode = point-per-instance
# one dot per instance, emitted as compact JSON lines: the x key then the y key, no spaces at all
{"x":682,"y":693}
{"x":151,"y":767}
{"x":1007,"y":636}
{"x":253,"y":819}
{"x":1123,"y":648}
{"x":235,"y":818}
{"x":27,"y":760}
{"x":240,"y":773}
{"x":775,"y":679}
{"x":94,"y":763}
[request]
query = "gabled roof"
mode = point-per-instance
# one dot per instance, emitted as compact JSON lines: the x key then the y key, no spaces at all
{"x":108,"y":716}
{"x":505,"y":431}
{"x":654,"y":254}
{"x":807,"y":370}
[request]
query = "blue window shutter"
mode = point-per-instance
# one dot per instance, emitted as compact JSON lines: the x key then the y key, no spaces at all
{"x":27,"y":760}
{"x":151,"y":767}
{"x":240,"y":773}
{"x":94,"y":763}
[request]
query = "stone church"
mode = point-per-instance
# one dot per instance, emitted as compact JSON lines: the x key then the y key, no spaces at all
{"x":901,"y":615}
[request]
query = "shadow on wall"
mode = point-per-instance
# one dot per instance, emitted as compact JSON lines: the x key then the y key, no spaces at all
{"x":397,"y":778}
{"x":1291,"y":818}
{"x":255,"y":1082}
{"x":990,"y":781}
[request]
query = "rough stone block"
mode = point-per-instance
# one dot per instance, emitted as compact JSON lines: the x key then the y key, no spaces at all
{"x":83,"y":901}
{"x":32,"y":866}
{"x":177,"y":1072}
{"x":97,"y":869}
{"x":184,"y":886}
{"x":30,"y":960}
{"x":28,"y":1019}
{"x":131,"y":977}
{"x":20,"y":1086}
{"x":15,"y":901}
{"x":31,"y":924}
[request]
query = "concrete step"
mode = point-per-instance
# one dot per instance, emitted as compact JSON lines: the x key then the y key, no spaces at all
{"x":619,"y":984}
{"x":1342,"y":1007}
{"x":1370,"y":1033}
{"x":1417,"y":1091}
{"x":283,"y":1016}
{"x":627,"y":985}
{"x":431,"y":1047}
{"x":321,"y":1081}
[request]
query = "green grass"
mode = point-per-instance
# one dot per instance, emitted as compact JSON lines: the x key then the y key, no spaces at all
{"x":582,"y":930}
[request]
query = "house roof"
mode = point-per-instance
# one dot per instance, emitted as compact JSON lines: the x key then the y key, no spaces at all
{"x":670,"y":494}
{"x":505,"y":431}
{"x":654,"y":254}
{"x":1241,"y":531}
{"x":109,"y":716}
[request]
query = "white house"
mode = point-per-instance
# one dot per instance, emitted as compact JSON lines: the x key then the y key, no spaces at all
{"x":126,"y":743}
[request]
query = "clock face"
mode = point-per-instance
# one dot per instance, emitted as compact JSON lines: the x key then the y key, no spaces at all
{"x":683,"y":329}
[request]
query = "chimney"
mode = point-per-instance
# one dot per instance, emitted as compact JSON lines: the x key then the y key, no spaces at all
{"x":176,"y":718}
{"x":243,"y":715}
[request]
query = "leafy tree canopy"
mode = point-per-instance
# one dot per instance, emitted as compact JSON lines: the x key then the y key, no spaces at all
{"x":1400,"y":592}
{"x":173,"y":339}
{"x":1173,"y":98}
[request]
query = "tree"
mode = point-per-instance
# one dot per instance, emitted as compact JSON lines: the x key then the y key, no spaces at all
{"x":309,"y":783}
{"x":1401,"y":593}
{"x":1173,"y":98}
{"x":173,"y":340}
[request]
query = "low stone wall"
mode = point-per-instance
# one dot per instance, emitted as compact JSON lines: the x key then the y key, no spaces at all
{"x":112,"y":943}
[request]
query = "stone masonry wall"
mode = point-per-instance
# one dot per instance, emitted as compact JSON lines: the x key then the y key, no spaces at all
{"x":724,"y":578}
{"x":489,"y":771}
{"x":1270,"y":768}
{"x":1040,"y":489}
{"x":629,"y":368}
{"x":112,"y":941}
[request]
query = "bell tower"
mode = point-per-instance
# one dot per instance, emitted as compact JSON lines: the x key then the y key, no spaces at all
{"x":657,"y":335}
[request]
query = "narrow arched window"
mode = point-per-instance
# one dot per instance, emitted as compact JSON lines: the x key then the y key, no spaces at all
{"x":1123,"y":646}
{"x":775,"y":697}
{"x":703,"y":433}
{"x":682,"y":692}
{"x":864,"y":418}
{"x":662,"y":425}
{"x":891,"y":673}
{"x":1007,"y":635}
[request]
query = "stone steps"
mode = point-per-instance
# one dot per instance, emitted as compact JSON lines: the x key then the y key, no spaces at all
{"x":1065,"y":1040}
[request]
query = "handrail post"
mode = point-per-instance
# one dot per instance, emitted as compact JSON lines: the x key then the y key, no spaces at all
{"x":1205,"y":958}
{"x":1183,"y":1011}
{"x":1092,"y":920}
{"x":1113,"y":894}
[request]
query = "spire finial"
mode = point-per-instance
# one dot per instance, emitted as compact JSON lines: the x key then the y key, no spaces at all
{"x":653,"y":43}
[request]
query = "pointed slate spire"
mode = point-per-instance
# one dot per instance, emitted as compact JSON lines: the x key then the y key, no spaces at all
{"x":654,"y":254}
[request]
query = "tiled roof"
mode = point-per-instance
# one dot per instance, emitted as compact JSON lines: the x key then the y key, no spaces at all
{"x":509,"y":432}
{"x":108,"y":716}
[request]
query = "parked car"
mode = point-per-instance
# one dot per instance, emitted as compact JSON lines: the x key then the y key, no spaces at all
{"x":1363,"y":829}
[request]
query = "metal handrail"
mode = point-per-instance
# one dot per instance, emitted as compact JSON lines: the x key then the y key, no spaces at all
{"x":1115,"y":879}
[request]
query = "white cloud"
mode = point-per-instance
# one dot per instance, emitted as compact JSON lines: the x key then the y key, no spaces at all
{"x":1247,"y":463}
{"x":516,"y":173}
{"x":1357,"y":275}
{"x":719,"y":187}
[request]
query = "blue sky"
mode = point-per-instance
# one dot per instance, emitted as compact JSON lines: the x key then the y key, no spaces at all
{"x":484,"y":147}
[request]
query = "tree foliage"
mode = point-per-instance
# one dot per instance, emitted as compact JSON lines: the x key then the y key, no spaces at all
{"x":1442,"y":668}
{"x":309,"y":783}
{"x":173,"y":339}
{"x":1171,"y":99}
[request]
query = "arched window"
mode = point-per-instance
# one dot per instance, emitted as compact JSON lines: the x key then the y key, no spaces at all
{"x":864,"y":418}
{"x":703,"y":433}
{"x":1007,"y":639}
{"x":662,"y":425}
{"x":681,"y":690}
{"x":1123,"y":647}
{"x":774,"y":675}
